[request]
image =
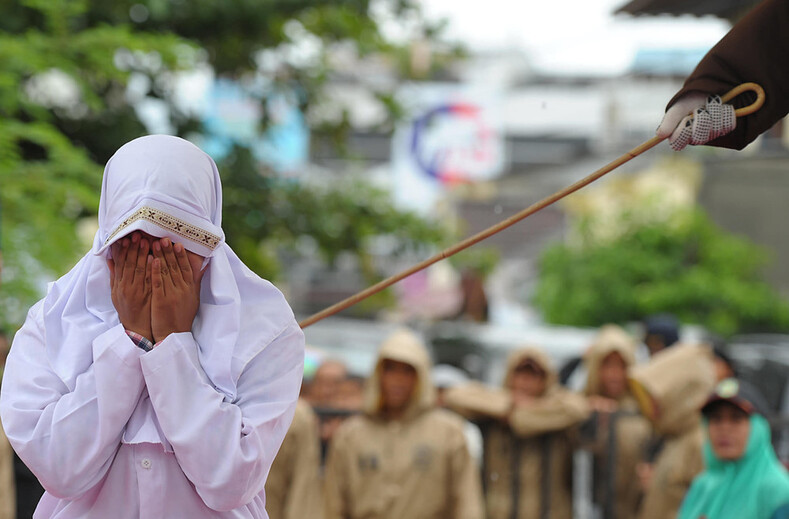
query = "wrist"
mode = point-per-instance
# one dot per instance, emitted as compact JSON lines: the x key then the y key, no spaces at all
{"x":159,"y":337}
{"x":140,"y":331}
{"x":140,"y":341}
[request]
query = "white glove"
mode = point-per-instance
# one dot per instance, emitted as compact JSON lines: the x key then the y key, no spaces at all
{"x":696,"y":118}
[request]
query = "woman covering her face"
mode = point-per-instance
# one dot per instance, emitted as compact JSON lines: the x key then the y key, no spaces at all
{"x":743,"y":477}
{"x":159,"y":376}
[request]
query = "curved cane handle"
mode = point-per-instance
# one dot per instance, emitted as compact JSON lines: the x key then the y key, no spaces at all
{"x":745,"y":87}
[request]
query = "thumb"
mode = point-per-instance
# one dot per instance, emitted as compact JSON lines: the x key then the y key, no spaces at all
{"x":684,"y":106}
{"x":200,"y":274}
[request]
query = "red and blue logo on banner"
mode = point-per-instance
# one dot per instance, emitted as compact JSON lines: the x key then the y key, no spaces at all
{"x":453,"y":143}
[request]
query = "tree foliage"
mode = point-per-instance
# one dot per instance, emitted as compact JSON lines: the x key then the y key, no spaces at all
{"x":57,"y":83}
{"x":686,"y":266}
{"x":65,"y":107}
{"x":263,"y":215}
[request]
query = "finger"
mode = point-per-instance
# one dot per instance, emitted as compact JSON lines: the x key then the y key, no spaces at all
{"x":131,"y":258}
{"x":114,"y":250}
{"x":111,"y":265}
{"x":172,"y":263}
{"x":681,"y":136}
{"x":164,"y":271}
{"x":119,"y":256}
{"x":142,"y":260}
{"x":200,"y":274}
{"x":702,"y":126}
{"x":148,"y":274}
{"x":724,"y":120}
{"x":183,"y":263}
{"x":157,"y":280}
{"x":678,"y":111}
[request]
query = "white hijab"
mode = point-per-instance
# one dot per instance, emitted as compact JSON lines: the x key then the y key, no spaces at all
{"x":166,"y":187}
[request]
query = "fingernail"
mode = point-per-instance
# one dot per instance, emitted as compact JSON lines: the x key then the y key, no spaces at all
{"x":166,"y":242}
{"x":135,"y":238}
{"x":156,"y":246}
{"x":178,"y":247}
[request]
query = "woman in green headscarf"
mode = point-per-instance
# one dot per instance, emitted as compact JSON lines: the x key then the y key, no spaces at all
{"x":743,"y":478}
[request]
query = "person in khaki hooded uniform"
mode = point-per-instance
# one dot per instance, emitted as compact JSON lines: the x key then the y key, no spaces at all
{"x":403,"y":457}
{"x":607,"y":361}
{"x":293,"y":489}
{"x":7,"y":485}
{"x":671,"y":390}
{"x":528,"y":433}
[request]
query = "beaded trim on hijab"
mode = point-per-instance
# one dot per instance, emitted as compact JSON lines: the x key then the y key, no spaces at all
{"x":169,"y":222}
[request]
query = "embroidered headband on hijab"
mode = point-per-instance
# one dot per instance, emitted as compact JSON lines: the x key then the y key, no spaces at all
{"x":167,"y":187}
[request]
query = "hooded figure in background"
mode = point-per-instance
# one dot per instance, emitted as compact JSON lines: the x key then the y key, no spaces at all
{"x":528,"y":429}
{"x":7,"y":485}
{"x":742,"y":476}
{"x":159,"y":376}
{"x":293,"y":487}
{"x":671,"y":389}
{"x":402,"y":457}
{"x":445,"y":377}
{"x":607,"y":362}
{"x":8,"y":488}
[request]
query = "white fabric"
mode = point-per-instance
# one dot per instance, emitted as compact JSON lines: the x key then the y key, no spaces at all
{"x":71,"y":439}
{"x":696,"y":119}
{"x":77,"y":394}
{"x":166,"y":173}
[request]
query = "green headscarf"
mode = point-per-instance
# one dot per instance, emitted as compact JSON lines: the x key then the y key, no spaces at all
{"x":752,"y":487}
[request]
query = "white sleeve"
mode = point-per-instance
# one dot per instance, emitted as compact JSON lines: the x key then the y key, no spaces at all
{"x":68,"y":439}
{"x":225,"y":448}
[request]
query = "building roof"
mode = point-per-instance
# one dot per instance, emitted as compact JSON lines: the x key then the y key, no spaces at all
{"x":728,"y":9}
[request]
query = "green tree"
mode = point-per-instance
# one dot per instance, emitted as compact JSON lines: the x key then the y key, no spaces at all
{"x":65,"y":107}
{"x":686,"y":266}
{"x":55,"y":82}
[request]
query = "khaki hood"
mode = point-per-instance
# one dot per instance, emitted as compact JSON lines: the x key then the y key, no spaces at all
{"x":672,"y":387}
{"x":538,"y":357}
{"x":611,"y":339}
{"x":402,"y":346}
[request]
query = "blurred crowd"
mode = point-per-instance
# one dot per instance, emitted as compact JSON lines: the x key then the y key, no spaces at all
{"x":621,"y":432}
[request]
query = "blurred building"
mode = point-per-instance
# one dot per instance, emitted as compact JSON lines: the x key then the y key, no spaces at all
{"x":731,"y":10}
{"x":550,"y":130}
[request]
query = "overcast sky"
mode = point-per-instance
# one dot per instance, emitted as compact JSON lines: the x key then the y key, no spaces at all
{"x":571,"y":36}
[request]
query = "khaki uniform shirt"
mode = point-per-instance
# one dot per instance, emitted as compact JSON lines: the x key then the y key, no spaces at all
{"x":7,"y":486}
{"x":293,"y":489}
{"x":415,"y":468}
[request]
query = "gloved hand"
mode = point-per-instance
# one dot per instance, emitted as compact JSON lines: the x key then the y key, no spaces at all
{"x":696,"y":118}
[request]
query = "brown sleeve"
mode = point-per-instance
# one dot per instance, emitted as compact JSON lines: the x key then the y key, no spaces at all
{"x":755,"y":50}
{"x":304,"y":494}
{"x":476,"y":401}
{"x":335,"y":476}
{"x":556,"y":412}
{"x":7,"y":486}
{"x":466,"y":482}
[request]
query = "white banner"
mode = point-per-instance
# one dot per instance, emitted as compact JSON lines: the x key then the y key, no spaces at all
{"x":453,"y":134}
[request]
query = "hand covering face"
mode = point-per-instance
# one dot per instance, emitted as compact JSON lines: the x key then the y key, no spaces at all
{"x":166,"y":187}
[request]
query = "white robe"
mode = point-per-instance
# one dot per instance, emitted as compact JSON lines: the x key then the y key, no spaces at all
{"x":189,"y":429}
{"x":219,"y":452}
